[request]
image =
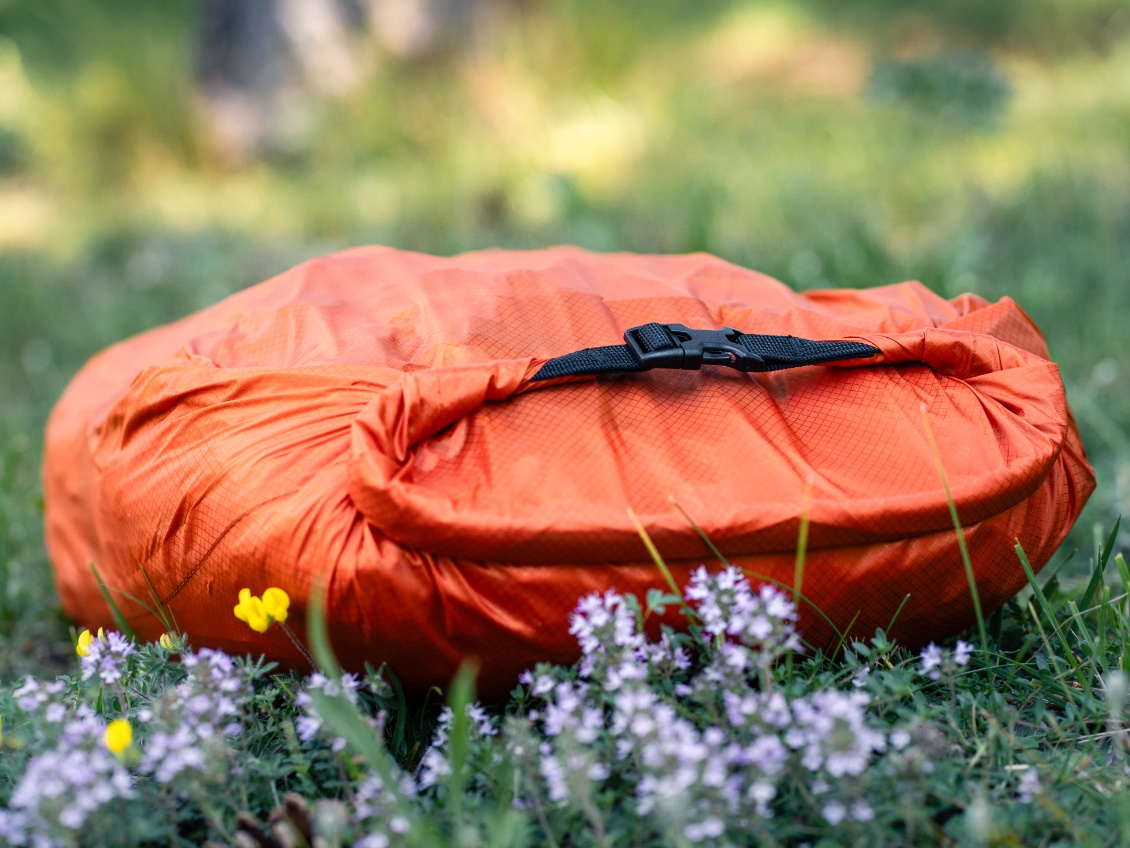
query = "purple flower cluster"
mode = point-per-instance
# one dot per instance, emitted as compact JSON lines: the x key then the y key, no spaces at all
{"x":1028,"y":785}
{"x":830,"y":731}
{"x":33,"y":695}
{"x":377,"y":809}
{"x":106,"y":658}
{"x":611,"y":644}
{"x":764,"y":622}
{"x":193,"y":721}
{"x":937,"y":662}
{"x":63,"y":786}
{"x":698,"y":781}
{"x":310,"y":723}
{"x":568,"y":769}
{"x":434,"y":765}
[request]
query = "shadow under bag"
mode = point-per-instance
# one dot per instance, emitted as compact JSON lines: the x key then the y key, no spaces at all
{"x":452,"y":447}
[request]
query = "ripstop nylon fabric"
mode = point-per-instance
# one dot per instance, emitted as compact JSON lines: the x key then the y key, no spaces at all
{"x":369,"y":420}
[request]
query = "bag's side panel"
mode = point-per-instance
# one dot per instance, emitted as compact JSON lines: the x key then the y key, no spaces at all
{"x":515,"y":616}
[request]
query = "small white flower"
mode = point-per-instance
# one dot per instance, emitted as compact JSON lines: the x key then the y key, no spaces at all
{"x":373,"y":840}
{"x":710,"y":828}
{"x":1028,"y":786}
{"x":899,"y":739}
{"x":554,"y":775}
{"x":931,"y":659}
{"x":833,"y":812}
{"x":962,"y":652}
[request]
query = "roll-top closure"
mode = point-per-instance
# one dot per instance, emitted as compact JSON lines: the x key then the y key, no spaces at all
{"x":450,"y":462}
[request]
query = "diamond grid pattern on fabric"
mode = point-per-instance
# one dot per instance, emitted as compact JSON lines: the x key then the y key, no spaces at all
{"x":235,"y":467}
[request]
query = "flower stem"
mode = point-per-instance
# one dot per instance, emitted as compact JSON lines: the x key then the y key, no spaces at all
{"x":297,"y":644}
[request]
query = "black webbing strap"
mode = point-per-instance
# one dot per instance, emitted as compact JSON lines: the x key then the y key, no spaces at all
{"x":677,"y":346}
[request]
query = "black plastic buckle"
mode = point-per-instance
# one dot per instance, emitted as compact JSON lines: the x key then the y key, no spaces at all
{"x":690,"y":349}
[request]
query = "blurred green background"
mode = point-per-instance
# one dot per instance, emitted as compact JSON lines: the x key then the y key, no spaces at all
{"x":156,"y":156}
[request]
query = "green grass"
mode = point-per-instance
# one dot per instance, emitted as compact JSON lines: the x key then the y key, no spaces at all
{"x":1022,"y":744}
{"x":976,"y":147}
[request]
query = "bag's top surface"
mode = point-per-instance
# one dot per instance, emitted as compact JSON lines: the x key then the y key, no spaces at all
{"x":390,"y":394}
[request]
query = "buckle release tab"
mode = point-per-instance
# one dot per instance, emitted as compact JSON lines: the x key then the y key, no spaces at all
{"x":678,"y":346}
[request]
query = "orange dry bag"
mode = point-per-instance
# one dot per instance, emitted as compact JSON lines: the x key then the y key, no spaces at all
{"x":452,"y":447}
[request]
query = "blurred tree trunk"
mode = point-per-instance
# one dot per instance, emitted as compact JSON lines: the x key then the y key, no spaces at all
{"x":257,"y":59}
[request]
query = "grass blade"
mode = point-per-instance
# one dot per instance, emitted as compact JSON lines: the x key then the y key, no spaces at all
{"x":343,"y":718}
{"x":898,"y":612}
{"x":162,"y":612}
{"x":661,"y":565}
{"x":1051,"y":655}
{"x":802,"y":539}
{"x":1100,"y":566}
{"x":1123,"y":572}
{"x":1103,"y":619}
{"x":400,"y":723}
{"x":1046,"y":611}
{"x":119,"y":619}
{"x":461,"y":696}
{"x":984,"y":634}
{"x":701,"y":533}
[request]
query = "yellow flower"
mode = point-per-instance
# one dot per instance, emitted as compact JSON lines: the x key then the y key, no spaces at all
{"x":258,"y":612}
{"x":119,"y":736}
{"x":250,"y":609}
{"x":276,"y":602}
{"x":84,"y":640}
{"x":168,"y":641}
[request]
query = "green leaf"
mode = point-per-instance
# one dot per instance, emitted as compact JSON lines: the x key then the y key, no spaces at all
{"x":342,"y":717}
{"x":1100,"y":566}
{"x":462,"y":694}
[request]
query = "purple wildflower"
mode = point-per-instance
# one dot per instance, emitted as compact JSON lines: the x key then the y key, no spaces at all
{"x":193,"y":721}
{"x":931,"y":661}
{"x":831,"y":733}
{"x":434,"y":765}
{"x":62,"y":787}
{"x":834,"y":812}
{"x":309,"y":723}
{"x":611,"y":645}
{"x":377,"y":805}
{"x":33,"y":694}
{"x":1028,"y":785}
{"x":962,"y":652}
{"x":105,"y":659}
{"x":764,"y":622}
